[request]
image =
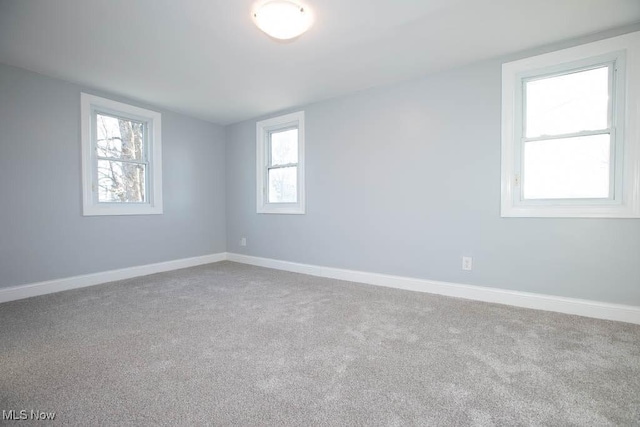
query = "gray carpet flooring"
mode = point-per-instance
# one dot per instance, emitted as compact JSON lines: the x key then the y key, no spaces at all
{"x":229,"y":344}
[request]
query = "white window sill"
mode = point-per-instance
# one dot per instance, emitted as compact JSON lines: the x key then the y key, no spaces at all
{"x":287,"y":210}
{"x":573,"y":211}
{"x":102,"y":210}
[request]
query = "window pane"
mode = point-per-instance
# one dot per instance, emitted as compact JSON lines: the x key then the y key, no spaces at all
{"x":569,"y":103}
{"x":284,"y":147}
{"x":119,"y":138}
{"x":121,"y":182}
{"x":283,"y":185}
{"x":569,"y":168}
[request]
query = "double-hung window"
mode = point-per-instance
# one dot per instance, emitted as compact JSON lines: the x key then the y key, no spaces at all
{"x":570,"y":143}
{"x":121,"y":158}
{"x":280,"y":164}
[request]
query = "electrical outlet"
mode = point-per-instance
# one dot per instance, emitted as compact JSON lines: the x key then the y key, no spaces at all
{"x":467,"y":263}
{"x":243,"y":241}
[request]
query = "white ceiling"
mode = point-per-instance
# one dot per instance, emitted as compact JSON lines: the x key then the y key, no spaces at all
{"x":205,"y":58}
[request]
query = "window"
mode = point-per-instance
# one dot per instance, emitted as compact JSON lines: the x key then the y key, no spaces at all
{"x":121,"y":158}
{"x":570,"y":143}
{"x":280,"y":164}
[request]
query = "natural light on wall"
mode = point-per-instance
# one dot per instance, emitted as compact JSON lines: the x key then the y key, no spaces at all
{"x":283,"y":19}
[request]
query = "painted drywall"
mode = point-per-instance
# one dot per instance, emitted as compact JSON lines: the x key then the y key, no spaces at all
{"x":405,"y":180}
{"x":43,"y":235}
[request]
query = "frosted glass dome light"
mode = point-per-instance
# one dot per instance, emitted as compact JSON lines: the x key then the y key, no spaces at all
{"x":283,"y":19}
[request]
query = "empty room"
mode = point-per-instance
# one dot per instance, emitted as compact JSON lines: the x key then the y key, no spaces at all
{"x":320,"y":212}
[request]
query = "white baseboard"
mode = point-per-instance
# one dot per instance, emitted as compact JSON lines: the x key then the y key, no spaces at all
{"x":580,"y":307}
{"x":51,"y":286}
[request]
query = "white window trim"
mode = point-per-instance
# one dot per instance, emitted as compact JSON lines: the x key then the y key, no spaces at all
{"x":627,"y":203}
{"x":89,"y":104}
{"x":263,"y":128}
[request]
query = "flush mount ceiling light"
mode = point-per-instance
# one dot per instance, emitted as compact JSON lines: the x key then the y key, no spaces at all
{"x":283,"y":19}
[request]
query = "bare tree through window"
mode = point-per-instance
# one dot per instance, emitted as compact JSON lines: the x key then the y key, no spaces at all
{"x":121,"y":159}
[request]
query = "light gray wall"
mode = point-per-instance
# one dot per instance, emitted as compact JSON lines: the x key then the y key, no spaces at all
{"x":405,"y":180}
{"x":43,"y":234}
{"x":400,"y":180}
